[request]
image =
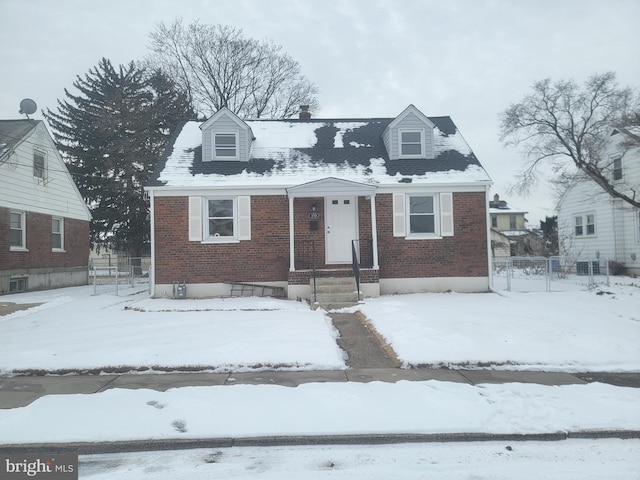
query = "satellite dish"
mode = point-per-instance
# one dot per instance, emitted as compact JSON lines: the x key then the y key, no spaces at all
{"x":28,"y":106}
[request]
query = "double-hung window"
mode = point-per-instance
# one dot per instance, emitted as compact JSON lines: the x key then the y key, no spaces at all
{"x":411,"y":143}
{"x":422,"y":215}
{"x":17,"y":231}
{"x":220,"y":218}
{"x":39,"y":164}
{"x":585,"y":225}
{"x":225,"y":146}
{"x":57,"y":234}
{"x":617,"y":168}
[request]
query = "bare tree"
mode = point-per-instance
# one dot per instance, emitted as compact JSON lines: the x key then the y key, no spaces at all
{"x":217,"y":67}
{"x":567,"y":126}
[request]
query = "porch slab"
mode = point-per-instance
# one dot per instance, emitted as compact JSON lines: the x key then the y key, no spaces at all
{"x":287,"y":379}
{"x":501,"y":376}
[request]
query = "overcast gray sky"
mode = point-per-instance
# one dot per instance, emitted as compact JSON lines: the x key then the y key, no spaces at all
{"x":468,"y":59}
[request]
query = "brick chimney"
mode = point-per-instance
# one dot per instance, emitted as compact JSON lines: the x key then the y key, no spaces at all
{"x":304,"y":112}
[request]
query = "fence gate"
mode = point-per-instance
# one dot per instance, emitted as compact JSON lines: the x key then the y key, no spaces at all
{"x":547,"y":274}
{"x":118,"y":276}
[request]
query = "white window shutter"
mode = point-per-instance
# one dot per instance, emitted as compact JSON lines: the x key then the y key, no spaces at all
{"x":244,"y":217}
{"x":399,"y":220}
{"x":446,"y":214}
{"x":195,"y":219}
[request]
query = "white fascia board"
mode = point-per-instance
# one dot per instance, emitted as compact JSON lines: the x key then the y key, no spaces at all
{"x":433,"y":187}
{"x":217,"y":190}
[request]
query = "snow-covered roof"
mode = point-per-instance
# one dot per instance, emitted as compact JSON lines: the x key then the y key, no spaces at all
{"x":295,"y":151}
{"x":507,"y":209}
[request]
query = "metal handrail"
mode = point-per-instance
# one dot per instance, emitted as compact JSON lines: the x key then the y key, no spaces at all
{"x":356,"y":267}
{"x":313,"y":270}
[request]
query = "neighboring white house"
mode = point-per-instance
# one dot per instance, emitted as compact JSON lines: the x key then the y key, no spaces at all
{"x":593,"y":224}
{"x":44,"y":221}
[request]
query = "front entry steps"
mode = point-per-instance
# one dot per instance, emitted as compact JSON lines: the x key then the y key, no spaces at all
{"x":256,"y":290}
{"x":334,"y":292}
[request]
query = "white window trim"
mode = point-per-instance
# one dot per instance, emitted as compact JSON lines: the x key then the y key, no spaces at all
{"x":585,"y":224}
{"x":61,"y":233}
{"x":23,"y":226}
{"x":225,"y":157}
{"x":422,"y":132}
{"x":228,"y":239}
{"x":436,"y":217}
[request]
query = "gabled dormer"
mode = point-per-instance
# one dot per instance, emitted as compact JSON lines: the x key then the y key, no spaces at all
{"x":409,"y":136}
{"x":226,"y":137}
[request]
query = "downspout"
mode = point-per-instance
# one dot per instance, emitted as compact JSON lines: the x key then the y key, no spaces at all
{"x":152,"y":273}
{"x":488,"y":227}
{"x":374,"y":233}
{"x":614,"y":227}
{"x":292,"y":256}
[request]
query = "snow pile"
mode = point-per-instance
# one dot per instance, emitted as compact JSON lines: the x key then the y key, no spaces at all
{"x":322,"y":409}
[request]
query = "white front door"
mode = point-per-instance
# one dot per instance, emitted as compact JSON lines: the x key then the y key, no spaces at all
{"x":341,"y":227}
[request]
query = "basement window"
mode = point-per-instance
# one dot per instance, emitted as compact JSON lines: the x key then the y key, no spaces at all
{"x":18,"y":285}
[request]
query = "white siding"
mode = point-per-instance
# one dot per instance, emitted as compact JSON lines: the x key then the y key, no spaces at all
{"x":227,"y":125}
{"x":411,"y":122}
{"x":617,"y":236}
{"x":57,"y":195}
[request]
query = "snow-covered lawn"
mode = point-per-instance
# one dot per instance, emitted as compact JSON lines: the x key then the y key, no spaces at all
{"x":571,"y":331}
{"x":74,"y":330}
{"x":579,"y":330}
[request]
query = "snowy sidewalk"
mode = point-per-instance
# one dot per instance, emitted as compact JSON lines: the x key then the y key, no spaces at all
{"x":20,"y":391}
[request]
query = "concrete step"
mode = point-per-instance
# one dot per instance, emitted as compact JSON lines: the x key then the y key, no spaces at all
{"x":335,"y":292}
{"x":337,"y":297}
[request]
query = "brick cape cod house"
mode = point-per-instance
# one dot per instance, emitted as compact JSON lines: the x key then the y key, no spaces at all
{"x":44,"y":221}
{"x":270,"y":202}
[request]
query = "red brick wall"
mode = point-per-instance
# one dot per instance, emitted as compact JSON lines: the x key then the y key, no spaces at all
{"x":463,"y":255}
{"x":266,"y":256}
{"x":263,"y":258}
{"x":40,"y":255}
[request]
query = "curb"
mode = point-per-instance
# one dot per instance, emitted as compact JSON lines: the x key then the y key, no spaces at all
{"x":92,"y":448}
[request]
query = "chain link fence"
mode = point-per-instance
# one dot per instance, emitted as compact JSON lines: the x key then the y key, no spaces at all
{"x":119,"y":275}
{"x":548,"y":274}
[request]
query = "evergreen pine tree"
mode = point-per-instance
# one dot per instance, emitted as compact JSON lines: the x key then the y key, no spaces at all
{"x":111,"y":135}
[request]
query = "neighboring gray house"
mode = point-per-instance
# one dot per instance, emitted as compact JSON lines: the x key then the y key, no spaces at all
{"x":593,"y":224}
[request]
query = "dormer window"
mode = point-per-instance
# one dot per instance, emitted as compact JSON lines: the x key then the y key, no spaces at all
{"x":225,"y":146}
{"x":411,"y":144}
